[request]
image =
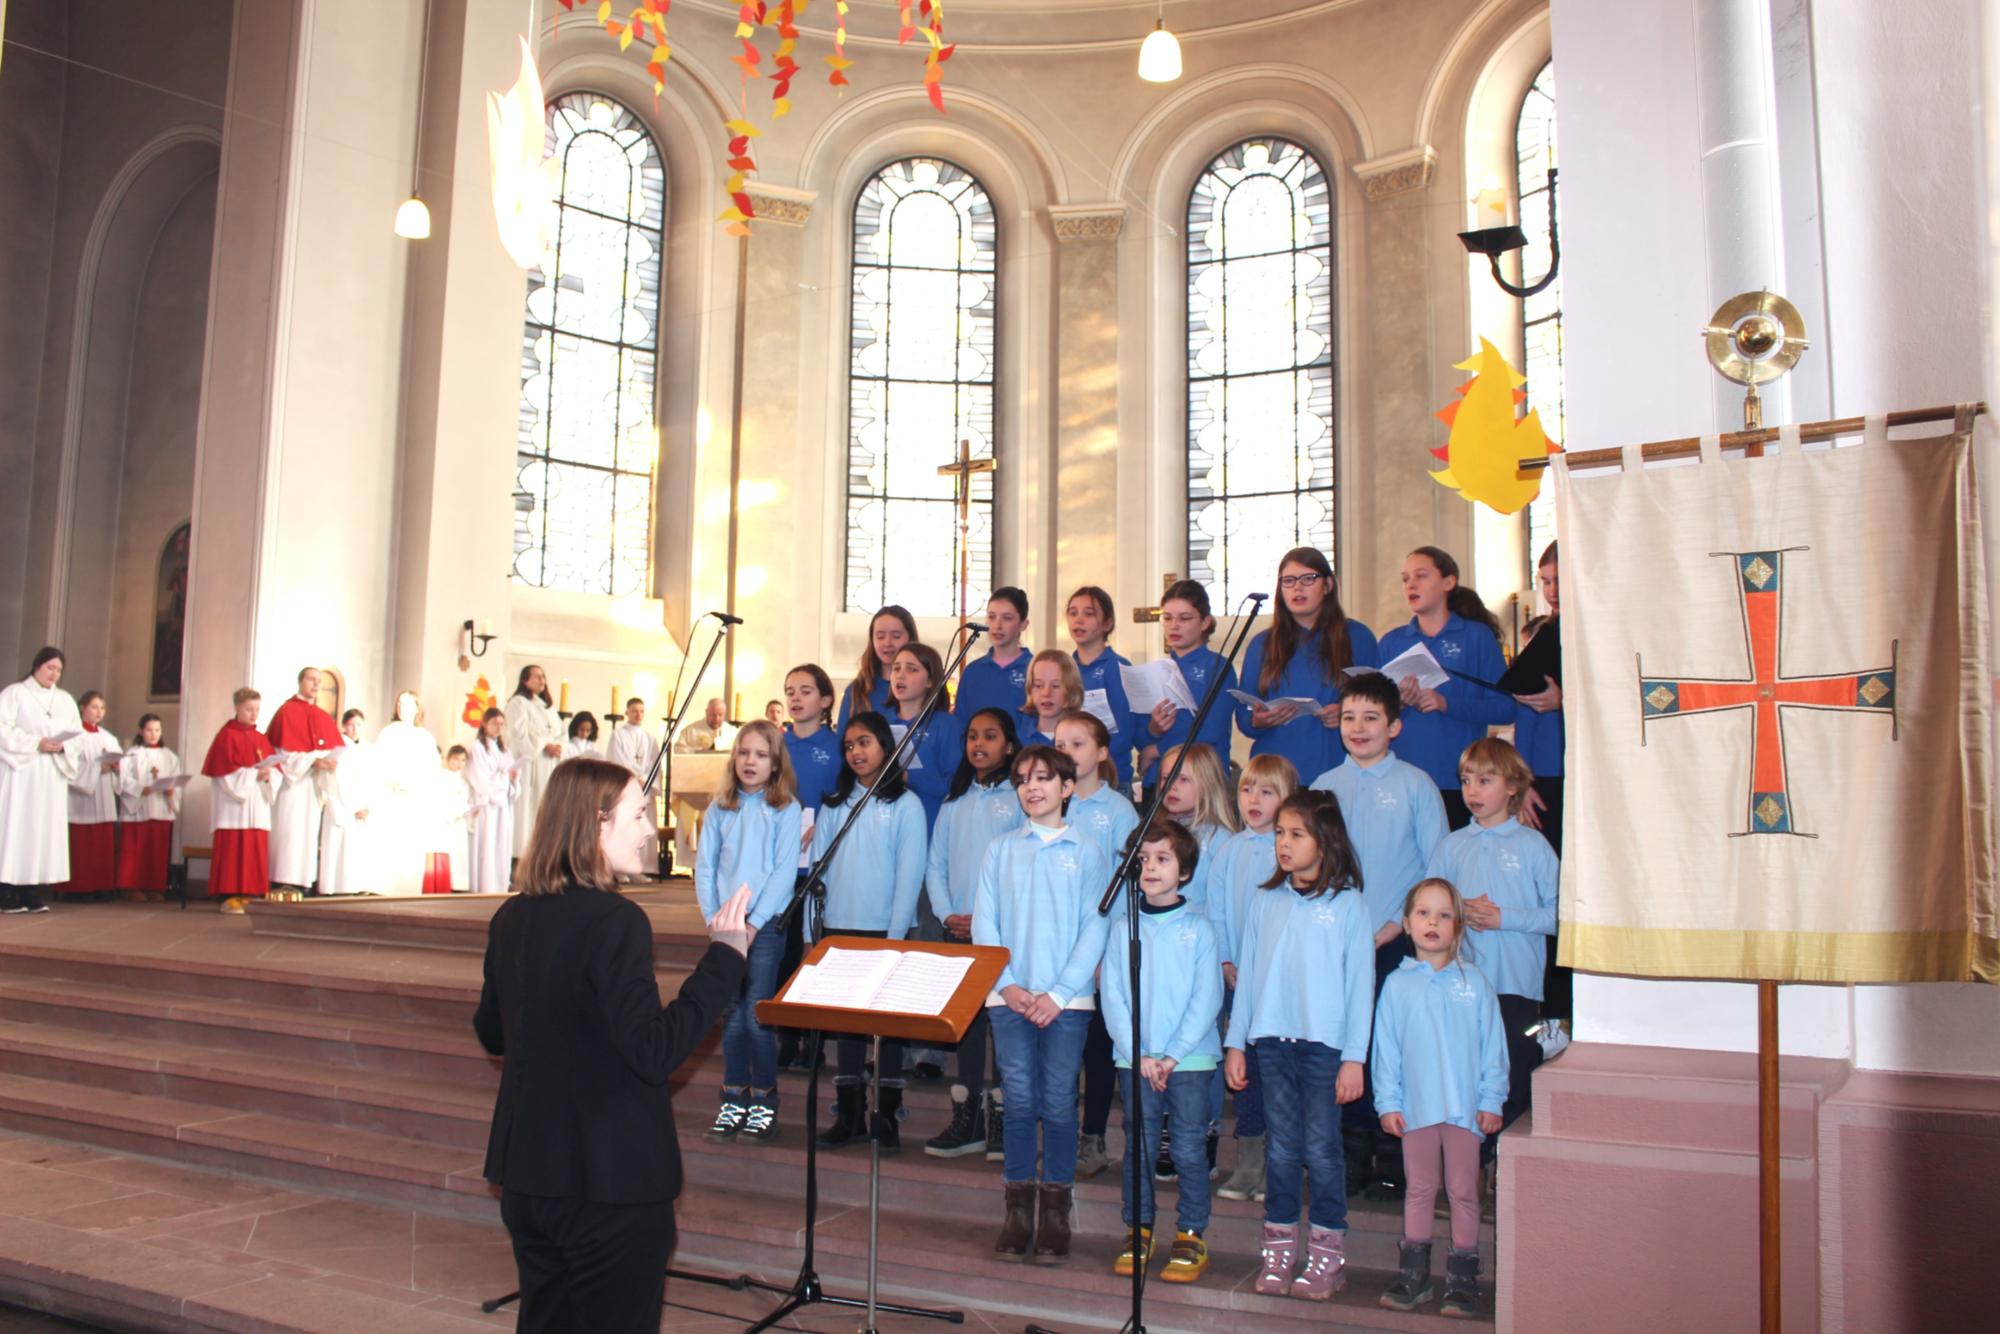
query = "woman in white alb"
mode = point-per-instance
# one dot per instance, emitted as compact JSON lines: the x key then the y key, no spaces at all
{"x":410,"y":770}
{"x":35,"y":772}
{"x":535,"y":735}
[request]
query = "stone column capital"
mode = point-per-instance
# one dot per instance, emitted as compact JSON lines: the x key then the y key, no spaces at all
{"x":1087,"y":222}
{"x":1396,"y":173}
{"x":781,"y":204}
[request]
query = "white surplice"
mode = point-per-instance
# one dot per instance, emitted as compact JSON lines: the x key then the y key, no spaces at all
{"x":348,"y":863}
{"x":242,"y":800}
{"x":577,"y":748}
{"x":93,"y":793}
{"x":407,"y":825}
{"x":531,"y":726}
{"x":635,"y":748}
{"x":295,"y":819}
{"x":495,"y":784}
{"x":142,"y":767}
{"x":34,"y":807}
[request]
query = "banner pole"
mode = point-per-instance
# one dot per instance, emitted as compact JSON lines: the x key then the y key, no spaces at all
{"x":1769,"y":1262}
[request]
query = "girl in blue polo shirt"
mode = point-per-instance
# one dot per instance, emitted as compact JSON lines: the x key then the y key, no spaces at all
{"x":1448,"y":619}
{"x":871,"y":890}
{"x":932,"y":759}
{"x":1186,"y":624}
{"x":1310,"y":642}
{"x":888,"y":630}
{"x":1091,"y":618}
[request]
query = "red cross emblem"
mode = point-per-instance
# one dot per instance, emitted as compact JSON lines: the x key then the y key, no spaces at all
{"x":1768,"y":691}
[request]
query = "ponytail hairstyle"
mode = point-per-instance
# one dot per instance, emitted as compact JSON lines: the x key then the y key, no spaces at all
{"x":1192,"y":593}
{"x":824,"y":683}
{"x":1339,"y":866}
{"x":962,"y":781}
{"x":1105,"y":607}
{"x":870,"y":671}
{"x":1107,"y":772}
{"x":1329,"y":632}
{"x":140,"y":731}
{"x":890,"y":784}
{"x":1462,"y":600}
{"x":1214,"y":803}
{"x":780,"y":788}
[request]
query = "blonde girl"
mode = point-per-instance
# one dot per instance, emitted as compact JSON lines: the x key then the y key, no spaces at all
{"x":1054,"y":686}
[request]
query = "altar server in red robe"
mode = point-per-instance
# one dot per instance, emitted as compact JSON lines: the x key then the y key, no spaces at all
{"x":93,"y":805}
{"x":299,"y":728}
{"x":148,"y":804}
{"x":240,"y":862}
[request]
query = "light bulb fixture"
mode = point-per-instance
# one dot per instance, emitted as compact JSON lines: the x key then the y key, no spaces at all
{"x":1160,"y":53}
{"x":413,"y":216}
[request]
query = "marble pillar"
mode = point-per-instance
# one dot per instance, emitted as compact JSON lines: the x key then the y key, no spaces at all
{"x":1082,"y":502}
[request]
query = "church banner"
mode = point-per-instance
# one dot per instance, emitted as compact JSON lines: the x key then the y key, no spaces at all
{"x":1777,"y":685}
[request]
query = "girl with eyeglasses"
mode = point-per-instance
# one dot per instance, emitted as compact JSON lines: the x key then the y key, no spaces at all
{"x":1310,"y":643}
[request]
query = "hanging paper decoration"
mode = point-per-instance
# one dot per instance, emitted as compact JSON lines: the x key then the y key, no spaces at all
{"x":931,"y":12}
{"x":649,"y":17}
{"x":524,"y":182}
{"x":1483,"y":456}
{"x":838,"y":60}
{"x":477,"y":701}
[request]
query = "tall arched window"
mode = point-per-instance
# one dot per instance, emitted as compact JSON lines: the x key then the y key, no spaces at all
{"x":1541,"y":314}
{"x":1260,"y":365}
{"x":920,"y":380}
{"x":588,"y":444}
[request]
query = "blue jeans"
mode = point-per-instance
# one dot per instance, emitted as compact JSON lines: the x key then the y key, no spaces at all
{"x":1250,"y":1099}
{"x":750,"y":1050}
{"x":1302,"y":1135}
{"x":1038,"y":1069}
{"x":1187,"y":1096}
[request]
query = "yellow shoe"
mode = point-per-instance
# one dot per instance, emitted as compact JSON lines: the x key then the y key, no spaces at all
{"x":1189,"y":1260}
{"x":1124,"y":1266}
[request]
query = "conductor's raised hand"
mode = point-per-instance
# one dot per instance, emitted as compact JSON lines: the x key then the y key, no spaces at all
{"x":731,"y":924}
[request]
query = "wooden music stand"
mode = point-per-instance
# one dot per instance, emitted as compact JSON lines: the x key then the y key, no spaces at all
{"x":946,"y":1028}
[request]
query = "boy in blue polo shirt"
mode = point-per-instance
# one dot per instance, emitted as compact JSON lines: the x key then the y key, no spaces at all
{"x":999,"y":680}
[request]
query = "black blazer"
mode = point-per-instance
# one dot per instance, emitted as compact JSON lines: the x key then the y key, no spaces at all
{"x":571,"y":1004}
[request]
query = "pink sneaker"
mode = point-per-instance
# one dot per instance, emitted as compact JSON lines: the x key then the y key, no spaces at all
{"x":1326,"y":1266}
{"x":1280,"y":1253}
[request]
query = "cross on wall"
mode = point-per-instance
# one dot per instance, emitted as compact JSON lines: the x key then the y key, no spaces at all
{"x":1767,"y":691}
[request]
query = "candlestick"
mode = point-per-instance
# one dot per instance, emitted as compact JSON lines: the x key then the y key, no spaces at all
{"x":563,"y":707}
{"x":614,"y":700}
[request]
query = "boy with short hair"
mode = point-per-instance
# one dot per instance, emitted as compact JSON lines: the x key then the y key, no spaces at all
{"x":1507,"y":873}
{"x":1395,"y":819}
{"x":1180,"y":995}
{"x":999,"y":679}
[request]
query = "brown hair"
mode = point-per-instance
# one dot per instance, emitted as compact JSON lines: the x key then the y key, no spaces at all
{"x":933,"y":666}
{"x":869,"y":671}
{"x":1104,"y":605}
{"x":1186,"y":847}
{"x":1549,"y":556}
{"x":1059,"y":764}
{"x":1107,"y":772}
{"x":565,"y":851}
{"x":1339,"y":865}
{"x":1491,"y":755}
{"x":1192,"y":593}
{"x":1329,"y":632}
{"x":1463,"y":601}
{"x":779,"y":788}
{"x":244,"y":693}
{"x":484,"y":718}
{"x":1457,"y":909}
{"x":822,"y":683}
{"x":1214,"y":803}
{"x":1065,"y":665}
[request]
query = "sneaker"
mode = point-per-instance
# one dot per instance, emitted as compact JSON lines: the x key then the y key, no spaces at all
{"x":1325,"y":1269}
{"x":14,"y":908}
{"x":1553,"y":1035}
{"x":39,"y":907}
{"x":996,"y":1133}
{"x":927,"y":1071}
{"x":966,"y":1133}
{"x":729,"y":1120}
{"x":760,"y":1123}
{"x":1125,"y":1263}
{"x":1277,"y":1254}
{"x":1090,"y":1155}
{"x":1189,"y":1259}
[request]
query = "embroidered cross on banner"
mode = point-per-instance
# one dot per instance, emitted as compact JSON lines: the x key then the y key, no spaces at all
{"x":1768,"y":690}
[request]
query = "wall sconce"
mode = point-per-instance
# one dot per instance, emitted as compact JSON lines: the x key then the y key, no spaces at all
{"x":472,"y":642}
{"x":1493,"y":242}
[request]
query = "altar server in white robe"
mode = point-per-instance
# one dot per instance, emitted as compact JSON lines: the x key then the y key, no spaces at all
{"x":300,"y":730}
{"x":535,"y":736}
{"x":582,"y":741}
{"x":348,"y":862}
{"x":635,"y":748}
{"x":239,"y":763}
{"x":455,"y":807}
{"x":495,"y":779}
{"x":412,"y":834}
{"x":148,"y":804}
{"x":35,"y":770}
{"x":93,"y":804}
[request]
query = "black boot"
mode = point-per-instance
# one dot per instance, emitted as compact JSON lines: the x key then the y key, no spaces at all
{"x":1018,"y":1231}
{"x":1461,"y":1283}
{"x":850,"y":1118}
{"x":1413,"y":1286}
{"x":888,"y":1103}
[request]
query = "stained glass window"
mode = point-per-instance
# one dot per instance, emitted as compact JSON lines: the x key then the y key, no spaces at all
{"x":1541,"y":314}
{"x":588,"y":444}
{"x":920,"y":380}
{"x":1260,"y":365}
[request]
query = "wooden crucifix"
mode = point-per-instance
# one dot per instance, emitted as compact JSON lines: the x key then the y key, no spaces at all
{"x":961,"y":474}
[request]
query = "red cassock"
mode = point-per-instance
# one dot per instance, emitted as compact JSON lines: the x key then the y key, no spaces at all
{"x":298,"y":726}
{"x":144,"y":849}
{"x":240,"y":861}
{"x":93,"y":858}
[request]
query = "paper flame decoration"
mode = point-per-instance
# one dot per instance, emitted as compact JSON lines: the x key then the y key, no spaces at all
{"x":477,"y":701}
{"x":524,"y":182}
{"x":649,"y":17}
{"x":1483,"y":456}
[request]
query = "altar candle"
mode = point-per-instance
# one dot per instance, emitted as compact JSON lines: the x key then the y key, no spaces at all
{"x":563,"y":707}
{"x":614,"y":699}
{"x":1490,"y":208}
{"x":737,"y":712}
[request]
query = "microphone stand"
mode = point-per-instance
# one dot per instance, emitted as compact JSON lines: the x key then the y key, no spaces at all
{"x":666,"y":755}
{"x":1126,"y":879}
{"x":806,"y":1289}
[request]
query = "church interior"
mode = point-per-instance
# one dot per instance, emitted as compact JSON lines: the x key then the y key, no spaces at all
{"x":251,"y":426}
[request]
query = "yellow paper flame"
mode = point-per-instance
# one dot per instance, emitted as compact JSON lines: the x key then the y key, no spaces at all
{"x":1483,"y":456}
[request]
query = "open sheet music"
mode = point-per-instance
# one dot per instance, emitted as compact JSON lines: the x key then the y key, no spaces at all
{"x":912,"y":983}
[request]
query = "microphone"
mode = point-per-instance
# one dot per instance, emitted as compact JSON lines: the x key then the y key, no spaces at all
{"x":1258,"y":598}
{"x":726,"y":618}
{"x":975,"y":627}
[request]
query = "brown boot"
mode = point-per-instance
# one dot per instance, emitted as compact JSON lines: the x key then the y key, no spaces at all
{"x":1052,"y":1227}
{"x":1019,"y":1229}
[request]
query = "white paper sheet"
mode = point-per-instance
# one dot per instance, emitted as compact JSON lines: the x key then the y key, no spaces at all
{"x":1150,"y":682}
{"x":922,"y":983}
{"x":1301,"y":702}
{"x":271,"y":761}
{"x":170,"y":784}
{"x":1416,"y":663}
{"x":1097,"y":703}
{"x":64,"y":738}
{"x":887,"y":980}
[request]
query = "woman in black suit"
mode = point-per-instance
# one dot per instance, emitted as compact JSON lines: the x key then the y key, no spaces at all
{"x":583,"y":1146}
